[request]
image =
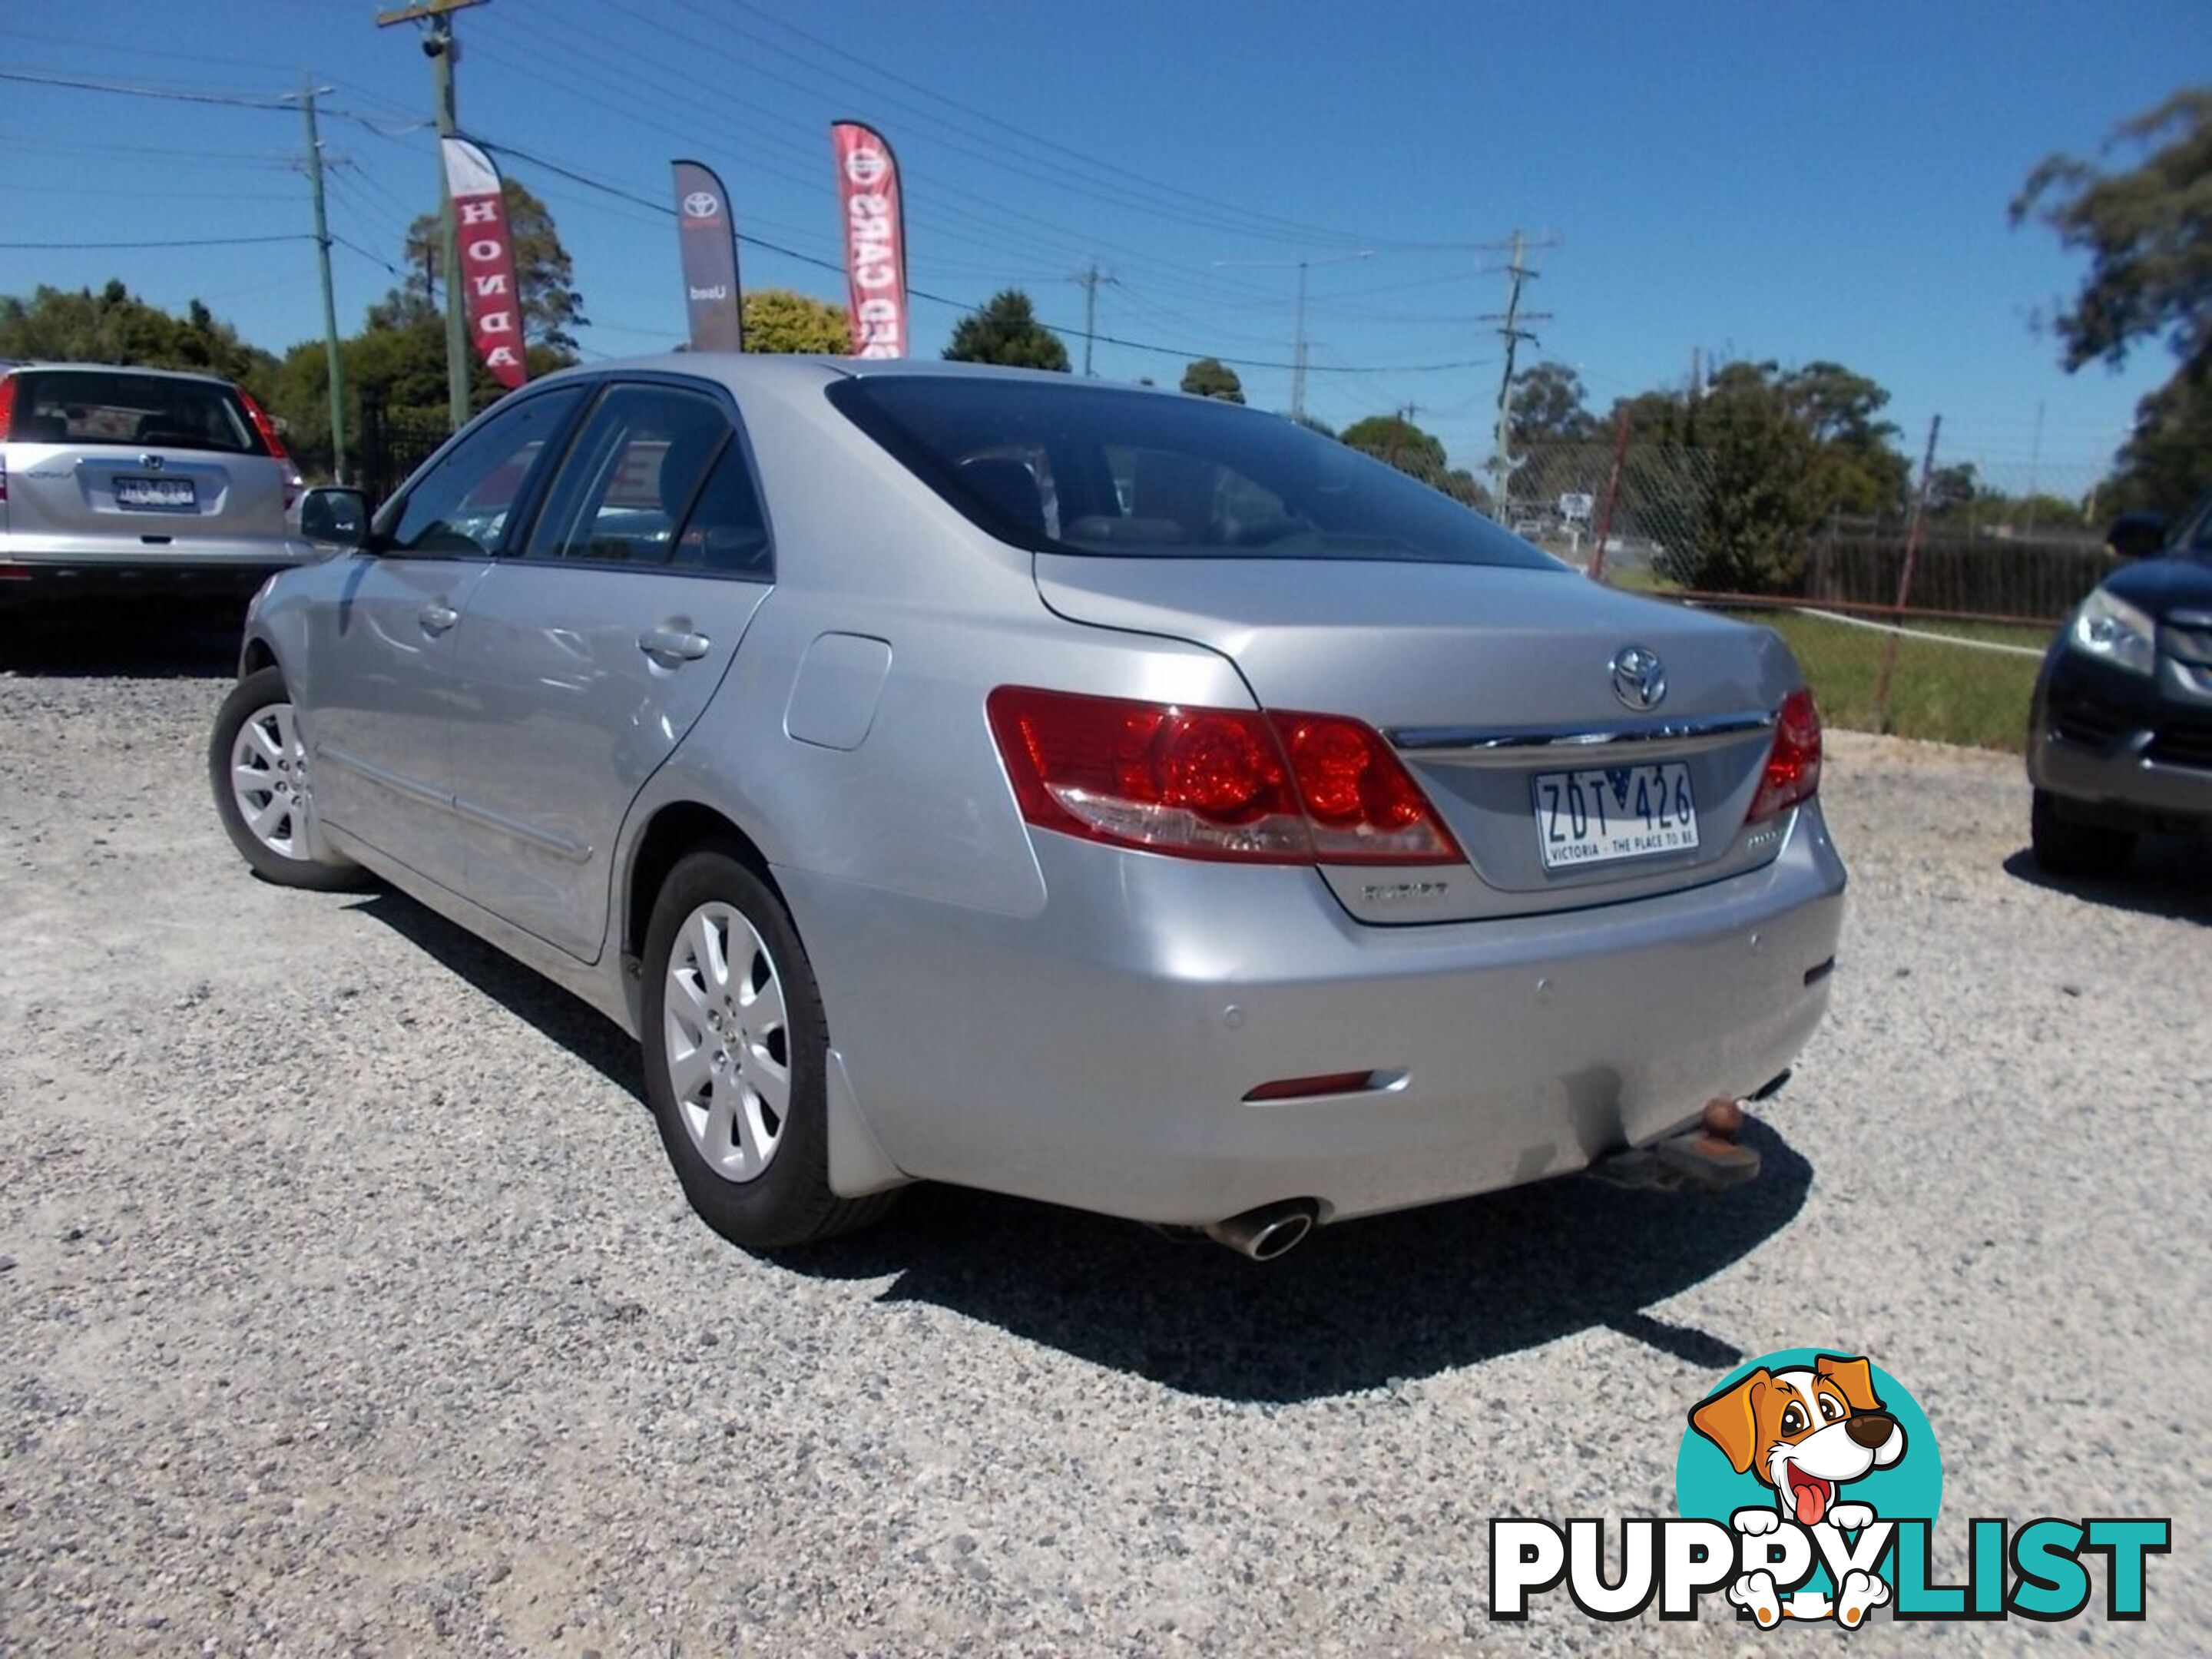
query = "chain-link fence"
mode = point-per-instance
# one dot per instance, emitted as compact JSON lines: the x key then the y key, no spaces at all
{"x":1928,"y":620}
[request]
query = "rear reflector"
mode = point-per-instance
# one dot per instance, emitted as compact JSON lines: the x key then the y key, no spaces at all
{"x":1302,"y":1088}
{"x":1793,"y":765}
{"x":1214,"y":783}
{"x":15,"y":572}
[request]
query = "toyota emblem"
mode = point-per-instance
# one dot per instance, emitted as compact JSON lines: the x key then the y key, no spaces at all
{"x":1639,"y":679}
{"x":702,"y":204}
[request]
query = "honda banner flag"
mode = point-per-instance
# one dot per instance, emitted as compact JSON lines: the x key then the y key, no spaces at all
{"x":487,"y":274}
{"x":875,"y":240}
{"x":707,"y":238}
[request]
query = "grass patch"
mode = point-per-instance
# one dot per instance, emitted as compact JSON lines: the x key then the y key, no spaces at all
{"x":1941,"y":692}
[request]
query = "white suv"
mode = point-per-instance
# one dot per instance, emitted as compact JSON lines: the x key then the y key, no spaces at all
{"x":120,"y":481}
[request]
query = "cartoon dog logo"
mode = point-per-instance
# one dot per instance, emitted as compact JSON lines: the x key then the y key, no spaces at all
{"x":1804,"y":1432}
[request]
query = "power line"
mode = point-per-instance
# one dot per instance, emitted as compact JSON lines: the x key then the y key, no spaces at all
{"x":964,"y":307}
{"x":231,"y":98}
{"x":196,"y":241}
{"x":1284,"y":228}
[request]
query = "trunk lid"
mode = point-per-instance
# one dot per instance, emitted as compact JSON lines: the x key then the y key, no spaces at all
{"x":1483,"y":678}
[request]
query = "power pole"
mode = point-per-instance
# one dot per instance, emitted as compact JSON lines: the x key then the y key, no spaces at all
{"x":1399,"y":419}
{"x":329,"y":303}
{"x":1510,"y":331}
{"x":439,"y":47}
{"x":1090,"y":276}
{"x":1298,"y":341}
{"x":1904,"y":577}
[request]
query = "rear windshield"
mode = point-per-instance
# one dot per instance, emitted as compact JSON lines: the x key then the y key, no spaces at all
{"x":102,"y":406}
{"x":1082,"y":468}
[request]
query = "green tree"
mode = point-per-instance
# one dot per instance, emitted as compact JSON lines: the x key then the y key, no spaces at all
{"x":543,"y":273}
{"x":1006,"y":331}
{"x":115,"y":326}
{"x":1396,"y":440}
{"x":403,"y":364}
{"x":1548,"y":407}
{"x":1857,"y":471}
{"x":1209,"y":377}
{"x":784,"y":319}
{"x":2147,"y":230}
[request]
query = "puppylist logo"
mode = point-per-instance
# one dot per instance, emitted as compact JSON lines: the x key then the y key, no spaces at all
{"x":1808,"y":1485}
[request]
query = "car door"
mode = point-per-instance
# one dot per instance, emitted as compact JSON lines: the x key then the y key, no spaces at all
{"x":587,"y":658}
{"x":379,"y":694}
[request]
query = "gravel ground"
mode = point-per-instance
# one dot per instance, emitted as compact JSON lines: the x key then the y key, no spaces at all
{"x":346,"y":1303}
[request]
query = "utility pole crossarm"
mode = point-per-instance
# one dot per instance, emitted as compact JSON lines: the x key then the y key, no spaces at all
{"x":428,"y":8}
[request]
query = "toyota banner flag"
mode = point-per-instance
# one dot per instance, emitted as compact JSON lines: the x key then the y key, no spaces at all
{"x":707,"y":238}
{"x":875,"y":240}
{"x":487,"y":272}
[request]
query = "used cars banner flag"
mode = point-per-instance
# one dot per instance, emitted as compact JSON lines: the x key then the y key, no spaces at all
{"x":707,"y":238}
{"x":875,"y":240}
{"x":487,"y":273}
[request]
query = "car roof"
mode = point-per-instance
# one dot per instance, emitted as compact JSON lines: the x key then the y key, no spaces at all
{"x":740,"y":368}
{"x":45,"y":367}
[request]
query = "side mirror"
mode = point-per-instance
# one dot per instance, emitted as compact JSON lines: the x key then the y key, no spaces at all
{"x":334,"y":515}
{"x":2137,"y":535}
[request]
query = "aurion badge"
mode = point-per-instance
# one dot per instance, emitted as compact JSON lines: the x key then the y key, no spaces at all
{"x":1639,"y":679}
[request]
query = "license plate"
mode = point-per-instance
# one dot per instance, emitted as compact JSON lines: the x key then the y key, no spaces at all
{"x":156,"y":492}
{"x":1603,"y":814}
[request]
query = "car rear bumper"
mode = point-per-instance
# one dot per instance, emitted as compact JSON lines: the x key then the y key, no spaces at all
{"x":38,"y":576}
{"x":1099,"y":1054}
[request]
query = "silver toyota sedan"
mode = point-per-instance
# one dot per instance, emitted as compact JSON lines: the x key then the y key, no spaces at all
{"x":1112,"y":797}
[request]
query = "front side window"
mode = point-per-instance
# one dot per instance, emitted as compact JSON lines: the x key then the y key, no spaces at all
{"x":1098,"y":470}
{"x":102,"y":406}
{"x":626,"y":490}
{"x":461,"y":507}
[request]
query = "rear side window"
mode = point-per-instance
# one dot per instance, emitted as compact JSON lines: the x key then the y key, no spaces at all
{"x":1077,"y":468}
{"x":108,"y":406}
{"x":658,"y":478}
{"x":461,"y":506}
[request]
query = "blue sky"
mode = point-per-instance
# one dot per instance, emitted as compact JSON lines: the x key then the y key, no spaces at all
{"x":1777,"y":180}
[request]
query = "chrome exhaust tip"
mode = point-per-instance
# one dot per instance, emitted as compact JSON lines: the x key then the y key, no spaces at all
{"x":1270,"y":1231}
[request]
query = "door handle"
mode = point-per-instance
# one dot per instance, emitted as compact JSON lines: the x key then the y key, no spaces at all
{"x":436,"y":618}
{"x":674,"y":642}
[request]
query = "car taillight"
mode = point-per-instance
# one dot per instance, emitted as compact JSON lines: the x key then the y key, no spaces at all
{"x":1213,"y":783}
{"x":1793,"y":765}
{"x":264,"y":425}
{"x":7,"y":419}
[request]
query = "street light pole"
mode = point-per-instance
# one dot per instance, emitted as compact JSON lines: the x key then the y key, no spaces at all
{"x":1298,"y":344}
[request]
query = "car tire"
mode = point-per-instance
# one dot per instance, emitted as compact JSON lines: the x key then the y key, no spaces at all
{"x":2065,"y":848}
{"x":258,"y":769}
{"x":736,"y":1054}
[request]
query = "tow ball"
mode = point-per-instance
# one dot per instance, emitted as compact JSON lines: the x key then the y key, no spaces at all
{"x":1707,"y":1158}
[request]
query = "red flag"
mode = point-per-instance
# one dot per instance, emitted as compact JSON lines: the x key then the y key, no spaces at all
{"x":875,"y":240}
{"x":487,"y":273}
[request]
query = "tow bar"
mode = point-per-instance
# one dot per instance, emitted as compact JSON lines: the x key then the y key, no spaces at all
{"x":1708,"y":1158}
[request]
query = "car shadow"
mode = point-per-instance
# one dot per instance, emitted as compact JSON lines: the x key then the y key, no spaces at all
{"x":2169,"y":876}
{"x":1368,"y":1303}
{"x":125,"y":639}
